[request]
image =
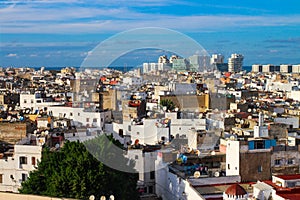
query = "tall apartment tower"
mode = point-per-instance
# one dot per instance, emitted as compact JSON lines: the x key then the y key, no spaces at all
{"x":235,"y":62}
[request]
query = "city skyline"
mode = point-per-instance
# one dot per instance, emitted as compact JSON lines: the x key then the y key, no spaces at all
{"x":56,"y":33}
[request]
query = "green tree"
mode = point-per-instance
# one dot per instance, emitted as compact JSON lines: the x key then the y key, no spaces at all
{"x":169,"y":104}
{"x":73,"y":172}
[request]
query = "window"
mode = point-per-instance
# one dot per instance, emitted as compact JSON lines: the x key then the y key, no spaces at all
{"x":33,"y":161}
{"x":38,"y":101}
{"x":87,"y":119}
{"x":24,"y":177}
{"x":78,"y":114}
{"x":150,"y":189}
{"x":277,"y":162}
{"x":23,"y":160}
{"x":137,"y":133}
{"x":228,"y":166}
{"x":25,"y":101}
{"x":95,"y":120}
{"x":136,"y":157}
{"x":1,"y":178}
{"x":31,"y":101}
{"x":152,"y":175}
{"x":259,"y":169}
{"x":259,"y":145}
{"x":290,"y":161}
{"x":71,"y":114}
{"x":129,"y":128}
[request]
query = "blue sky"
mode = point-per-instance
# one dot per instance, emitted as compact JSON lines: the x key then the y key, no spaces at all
{"x":61,"y":33}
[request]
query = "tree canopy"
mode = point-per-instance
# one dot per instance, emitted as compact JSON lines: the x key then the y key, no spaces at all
{"x":169,"y":104}
{"x":72,"y":172}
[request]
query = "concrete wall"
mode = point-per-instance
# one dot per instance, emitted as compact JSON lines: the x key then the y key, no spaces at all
{"x":250,"y":162}
{"x":232,"y":158}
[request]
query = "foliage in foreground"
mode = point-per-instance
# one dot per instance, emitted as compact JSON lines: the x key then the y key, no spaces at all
{"x":73,"y":172}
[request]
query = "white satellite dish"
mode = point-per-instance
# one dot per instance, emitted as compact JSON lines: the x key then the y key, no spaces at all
{"x":237,"y":120}
{"x":232,"y":138}
{"x":197,"y":174}
{"x":249,"y":110}
{"x":92,"y":197}
{"x":213,"y":153}
{"x":46,"y":132}
{"x":111,"y":197}
{"x":102,"y":198}
{"x":57,"y":146}
{"x":217,"y":174}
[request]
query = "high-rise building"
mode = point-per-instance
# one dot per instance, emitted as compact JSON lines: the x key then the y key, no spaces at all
{"x":217,"y":62}
{"x":235,"y":62}
{"x":216,"y":59}
{"x":199,"y":63}
{"x":163,"y":59}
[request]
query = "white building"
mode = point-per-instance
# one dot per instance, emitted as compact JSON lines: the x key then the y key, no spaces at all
{"x":145,"y":165}
{"x":132,"y":81}
{"x":293,"y":122}
{"x":216,"y":59}
{"x":36,"y":102}
{"x":149,"y":131}
{"x":81,"y":117}
{"x":14,"y":170}
{"x":235,"y":62}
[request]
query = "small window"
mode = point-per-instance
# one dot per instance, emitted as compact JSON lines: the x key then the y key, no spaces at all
{"x":71,"y":114}
{"x":290,"y":161}
{"x":150,"y":189}
{"x":25,"y":101}
{"x":95,"y":120}
{"x":87,"y":119}
{"x":78,"y":114}
{"x":136,"y":157}
{"x":23,"y":160}
{"x":259,"y":169}
{"x":137,"y":133}
{"x":39,"y":101}
{"x":33,"y":161}
{"x":277,"y":162}
{"x":1,"y":178}
{"x":24,"y":177}
{"x":31,"y":101}
{"x":228,"y":166}
{"x":129,"y":128}
{"x":152,"y":175}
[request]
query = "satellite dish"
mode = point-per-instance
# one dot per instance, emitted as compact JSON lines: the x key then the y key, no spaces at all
{"x":102,"y":198}
{"x":34,"y":132}
{"x":217,"y":174}
{"x":46,"y":132}
{"x":232,"y":138}
{"x":213,"y":153}
{"x":249,"y":110}
{"x":197,"y":174}
{"x":92,"y":197}
{"x":57,"y":146}
{"x":237,"y":120}
{"x":111,"y":197}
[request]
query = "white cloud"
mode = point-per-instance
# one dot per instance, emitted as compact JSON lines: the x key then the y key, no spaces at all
{"x":115,"y":16}
{"x":11,"y":55}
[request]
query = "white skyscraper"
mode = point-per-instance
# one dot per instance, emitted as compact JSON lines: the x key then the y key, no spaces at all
{"x":235,"y":62}
{"x":216,"y":59}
